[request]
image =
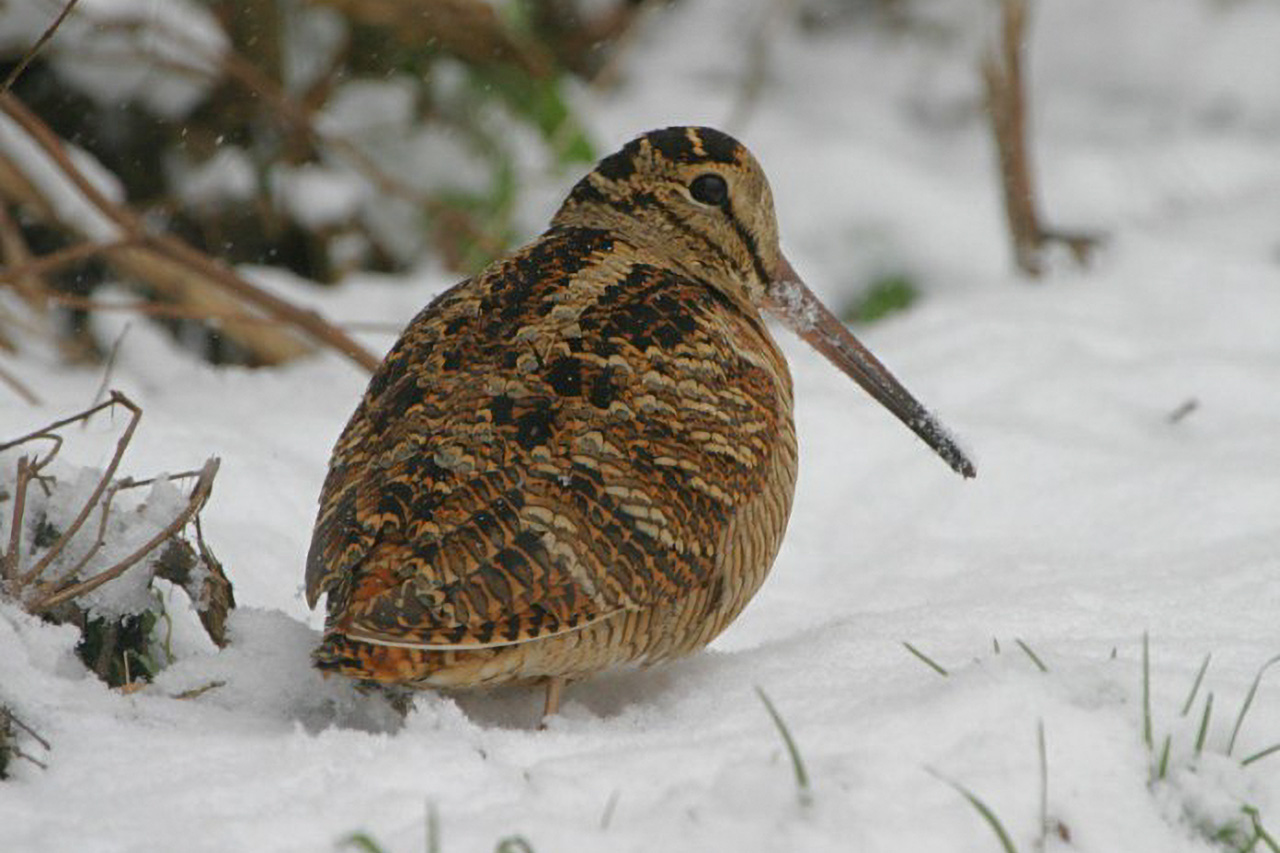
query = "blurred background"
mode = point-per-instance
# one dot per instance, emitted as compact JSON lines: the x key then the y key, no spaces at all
{"x":313,"y":139}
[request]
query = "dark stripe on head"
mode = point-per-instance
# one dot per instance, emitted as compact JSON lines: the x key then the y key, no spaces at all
{"x":622,"y":164}
{"x":674,"y":144}
{"x":695,"y":145}
{"x":719,"y":147}
{"x":586,"y":192}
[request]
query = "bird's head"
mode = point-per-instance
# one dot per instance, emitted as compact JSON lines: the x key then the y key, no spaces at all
{"x":698,"y":199}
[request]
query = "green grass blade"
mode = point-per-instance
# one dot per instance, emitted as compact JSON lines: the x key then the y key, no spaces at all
{"x":1034,"y":657}
{"x":433,"y":828}
{"x":362,"y":841}
{"x":1258,"y":756}
{"x":1043,"y":838}
{"x":1146,"y":692}
{"x":1195,"y":685}
{"x":1204,"y":722}
{"x":606,"y":817}
{"x":1162,"y":769}
{"x":1260,"y":834}
{"x":928,"y":661}
{"x":797,"y":764}
{"x":514,"y":844}
{"x":985,"y":811}
{"x":1248,"y":700}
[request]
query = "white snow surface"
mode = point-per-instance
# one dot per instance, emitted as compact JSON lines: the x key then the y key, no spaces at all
{"x":1094,"y":518}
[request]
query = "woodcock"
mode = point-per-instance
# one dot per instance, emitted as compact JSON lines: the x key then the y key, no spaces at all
{"x":585,"y":455}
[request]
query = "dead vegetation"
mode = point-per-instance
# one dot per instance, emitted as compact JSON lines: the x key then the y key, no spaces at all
{"x":1006,"y":101}
{"x":49,"y":568}
{"x":66,"y":230}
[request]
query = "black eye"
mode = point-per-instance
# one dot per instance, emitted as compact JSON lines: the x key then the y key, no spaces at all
{"x":709,"y":189}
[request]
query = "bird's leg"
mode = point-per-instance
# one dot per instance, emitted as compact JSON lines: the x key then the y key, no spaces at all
{"x":551,"y":707}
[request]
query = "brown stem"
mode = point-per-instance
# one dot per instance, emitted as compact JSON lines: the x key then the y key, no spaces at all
{"x":13,"y":718}
{"x":175,"y":249}
{"x":135,"y":414}
{"x":187,"y":312}
{"x":1007,"y":106}
{"x":63,"y":257}
{"x":18,"y":386}
{"x":199,"y":494}
{"x":15,"y":527}
{"x":47,"y":431}
{"x":36,"y":48}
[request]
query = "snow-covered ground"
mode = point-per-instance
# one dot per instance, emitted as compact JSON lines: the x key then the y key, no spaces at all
{"x":1095,"y":517}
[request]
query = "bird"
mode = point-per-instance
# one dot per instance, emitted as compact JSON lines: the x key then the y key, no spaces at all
{"x":584,"y":456}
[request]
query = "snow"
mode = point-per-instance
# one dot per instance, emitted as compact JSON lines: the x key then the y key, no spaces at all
{"x":1095,"y":517}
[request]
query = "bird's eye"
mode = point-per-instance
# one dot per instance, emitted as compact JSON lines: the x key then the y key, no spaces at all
{"x":709,"y":189}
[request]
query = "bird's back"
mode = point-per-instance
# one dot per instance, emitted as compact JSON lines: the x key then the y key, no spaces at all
{"x":579,"y":457}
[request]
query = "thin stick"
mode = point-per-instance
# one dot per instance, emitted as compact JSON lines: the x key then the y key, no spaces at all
{"x":17,"y":254}
{"x":203,"y":487}
{"x":35,"y":48}
{"x":101,"y":538}
{"x":135,"y":415}
{"x":187,"y":312}
{"x":47,"y":432}
{"x":15,"y":526}
{"x":63,"y":257}
{"x":18,"y":387}
{"x":110,"y":364}
{"x":13,"y":718}
{"x":1002,"y":74}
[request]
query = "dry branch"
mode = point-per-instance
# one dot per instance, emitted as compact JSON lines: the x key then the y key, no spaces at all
{"x":191,"y":566}
{"x":38,"y":46}
{"x":50,"y":598}
{"x":171,"y":264}
{"x":135,"y":414}
{"x":1007,"y":108}
{"x":18,"y":386}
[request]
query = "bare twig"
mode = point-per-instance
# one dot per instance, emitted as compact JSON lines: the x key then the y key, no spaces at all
{"x":55,"y":261}
{"x":199,"y":494}
{"x":32,"y":733}
{"x":18,"y":386}
{"x":37,"y":47}
{"x":189,"y":312}
{"x":196,"y":692}
{"x":174,"y":249}
{"x":1006,"y":105}
{"x":17,"y":262}
{"x":135,"y":414}
{"x":48,"y":433}
{"x":109,"y":366}
{"x":15,"y":525}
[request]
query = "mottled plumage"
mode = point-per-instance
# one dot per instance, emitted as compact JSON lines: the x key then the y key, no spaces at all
{"x":585,"y":454}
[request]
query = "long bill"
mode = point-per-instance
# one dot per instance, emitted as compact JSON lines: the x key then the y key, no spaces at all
{"x":795,"y":305}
